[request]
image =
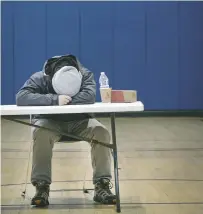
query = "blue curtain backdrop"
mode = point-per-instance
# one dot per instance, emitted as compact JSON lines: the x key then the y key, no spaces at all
{"x":155,"y":48}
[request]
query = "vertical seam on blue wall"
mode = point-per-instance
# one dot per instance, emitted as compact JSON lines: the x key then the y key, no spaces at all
{"x":46,"y":29}
{"x":179,"y":63}
{"x":79,"y":31}
{"x":146,"y":47}
{"x":146,"y":37}
{"x":13,"y":29}
{"x":113,"y":42}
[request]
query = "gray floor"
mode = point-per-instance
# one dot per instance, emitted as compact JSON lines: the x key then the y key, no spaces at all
{"x":161,"y":161}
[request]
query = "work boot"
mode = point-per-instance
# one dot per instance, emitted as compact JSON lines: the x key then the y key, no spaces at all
{"x":102,"y":192}
{"x":42,"y":194}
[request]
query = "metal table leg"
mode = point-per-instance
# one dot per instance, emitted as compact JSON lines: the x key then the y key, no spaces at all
{"x":113,"y":129}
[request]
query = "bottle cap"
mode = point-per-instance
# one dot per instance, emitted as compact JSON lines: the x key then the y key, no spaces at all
{"x":102,"y":72}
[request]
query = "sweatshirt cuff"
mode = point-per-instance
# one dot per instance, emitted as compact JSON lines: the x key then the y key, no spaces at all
{"x":55,"y":100}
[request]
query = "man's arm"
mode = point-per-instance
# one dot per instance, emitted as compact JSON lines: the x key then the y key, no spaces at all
{"x":87,"y":93}
{"x":31,"y":94}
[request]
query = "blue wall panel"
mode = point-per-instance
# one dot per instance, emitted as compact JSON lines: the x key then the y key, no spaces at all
{"x":97,"y":38}
{"x":129,"y":47}
{"x":191,"y":55}
{"x":162,"y":55}
{"x":7,"y":66}
{"x":29,"y":40}
{"x":62,"y":28}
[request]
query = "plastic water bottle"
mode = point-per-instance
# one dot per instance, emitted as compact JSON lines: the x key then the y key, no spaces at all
{"x":103,"y":80}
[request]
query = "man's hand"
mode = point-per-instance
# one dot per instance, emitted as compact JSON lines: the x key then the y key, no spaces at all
{"x":64,"y":99}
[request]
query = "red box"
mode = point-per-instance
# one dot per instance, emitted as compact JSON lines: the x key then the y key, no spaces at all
{"x":123,"y":96}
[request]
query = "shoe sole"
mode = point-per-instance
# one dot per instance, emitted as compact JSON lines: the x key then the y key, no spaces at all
{"x":110,"y":201}
{"x":39,"y":202}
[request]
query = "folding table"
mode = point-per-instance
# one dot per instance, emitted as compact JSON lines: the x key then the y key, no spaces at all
{"x":110,"y":108}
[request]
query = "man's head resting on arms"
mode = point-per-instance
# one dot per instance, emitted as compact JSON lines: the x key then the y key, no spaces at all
{"x":64,"y":73}
{"x":62,"y":81}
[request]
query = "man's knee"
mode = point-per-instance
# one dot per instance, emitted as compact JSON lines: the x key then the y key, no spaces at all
{"x":101,"y":134}
{"x":40,"y":133}
{"x":44,"y":134}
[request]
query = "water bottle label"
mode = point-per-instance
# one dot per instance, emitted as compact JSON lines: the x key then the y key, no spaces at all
{"x":104,"y":86}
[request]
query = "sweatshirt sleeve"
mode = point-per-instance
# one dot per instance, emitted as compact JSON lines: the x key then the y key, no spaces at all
{"x":87,"y":94}
{"x":31,"y":94}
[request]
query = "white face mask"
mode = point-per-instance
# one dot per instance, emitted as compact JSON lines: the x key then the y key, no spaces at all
{"x":67,"y":81}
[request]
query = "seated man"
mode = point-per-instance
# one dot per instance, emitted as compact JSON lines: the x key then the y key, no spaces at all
{"x":64,"y":81}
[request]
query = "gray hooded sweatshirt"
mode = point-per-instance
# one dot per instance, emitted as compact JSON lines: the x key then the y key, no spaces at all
{"x":38,"y":91}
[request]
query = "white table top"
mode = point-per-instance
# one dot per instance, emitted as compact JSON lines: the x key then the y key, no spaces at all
{"x":70,"y":109}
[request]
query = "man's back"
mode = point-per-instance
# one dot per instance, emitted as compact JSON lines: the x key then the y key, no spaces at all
{"x":38,"y":91}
